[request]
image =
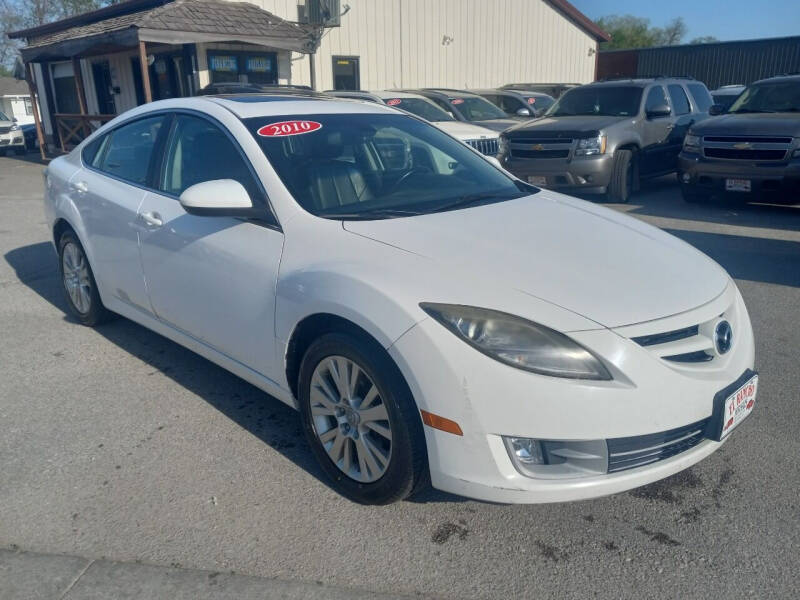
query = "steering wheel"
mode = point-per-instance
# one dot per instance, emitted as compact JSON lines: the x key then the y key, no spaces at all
{"x":408,"y":174}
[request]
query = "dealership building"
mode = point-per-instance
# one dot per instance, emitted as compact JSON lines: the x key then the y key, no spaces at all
{"x":88,"y":68}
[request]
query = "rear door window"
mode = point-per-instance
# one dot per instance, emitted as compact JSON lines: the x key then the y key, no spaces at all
{"x":702,"y":98}
{"x":680,"y":103}
{"x":129,"y":149}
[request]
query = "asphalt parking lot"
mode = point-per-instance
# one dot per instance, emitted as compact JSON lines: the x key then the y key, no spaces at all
{"x":118,"y":444}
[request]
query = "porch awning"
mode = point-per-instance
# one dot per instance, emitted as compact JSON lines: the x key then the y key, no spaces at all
{"x":122,"y":26}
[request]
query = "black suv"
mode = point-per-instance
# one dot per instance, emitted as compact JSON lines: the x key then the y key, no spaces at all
{"x":751,"y":151}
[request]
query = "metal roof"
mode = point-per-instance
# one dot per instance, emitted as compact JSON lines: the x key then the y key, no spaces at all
{"x":13,"y":87}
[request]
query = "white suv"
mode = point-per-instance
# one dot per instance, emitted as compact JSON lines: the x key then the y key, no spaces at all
{"x":11,"y":135}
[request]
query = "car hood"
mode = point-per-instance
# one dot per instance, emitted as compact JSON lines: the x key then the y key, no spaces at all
{"x":597,"y":263}
{"x":466,"y":131}
{"x":497,"y":124}
{"x":568,"y":127}
{"x":780,"y":124}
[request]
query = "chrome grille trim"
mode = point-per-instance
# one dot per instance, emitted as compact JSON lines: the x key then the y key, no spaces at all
{"x":636,"y":451}
{"x":5,"y":129}
{"x":488,"y":147}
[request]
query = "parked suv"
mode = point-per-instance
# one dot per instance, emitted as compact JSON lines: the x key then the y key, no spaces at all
{"x":11,"y":135}
{"x":518,"y":104}
{"x":468,"y":107}
{"x":752,"y":150}
{"x":603,"y":137}
{"x":556,"y":90}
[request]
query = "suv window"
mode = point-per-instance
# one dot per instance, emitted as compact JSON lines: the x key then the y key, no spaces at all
{"x":511,"y":105}
{"x":680,"y":103}
{"x":702,"y":98}
{"x":199,"y":151}
{"x":444,"y":105}
{"x":612,"y":101}
{"x":655,"y":98}
{"x":128,"y":150}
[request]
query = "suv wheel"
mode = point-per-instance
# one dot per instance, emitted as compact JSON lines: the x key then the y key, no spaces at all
{"x":360,"y":419}
{"x":693,"y":196}
{"x":623,"y":176}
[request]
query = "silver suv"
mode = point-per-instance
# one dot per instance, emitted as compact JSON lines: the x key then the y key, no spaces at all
{"x":604,"y":137}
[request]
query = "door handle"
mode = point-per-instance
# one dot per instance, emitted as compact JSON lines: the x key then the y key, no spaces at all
{"x":81,"y":187}
{"x":153,"y":219}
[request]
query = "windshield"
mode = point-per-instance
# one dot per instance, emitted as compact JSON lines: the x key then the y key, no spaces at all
{"x":475,"y":108}
{"x":377,"y":166}
{"x":597,"y":100}
{"x":420,"y":107}
{"x":769,"y":98}
{"x":3,"y":117}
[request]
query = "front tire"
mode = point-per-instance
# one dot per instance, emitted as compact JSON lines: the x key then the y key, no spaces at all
{"x":360,"y":419}
{"x":623,"y":177}
{"x":78,"y":283}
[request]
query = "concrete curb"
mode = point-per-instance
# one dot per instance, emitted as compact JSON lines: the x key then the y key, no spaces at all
{"x":33,"y":576}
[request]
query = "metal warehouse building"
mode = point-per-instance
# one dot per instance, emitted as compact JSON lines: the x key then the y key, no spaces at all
{"x":715,"y":64}
{"x":87,"y":68}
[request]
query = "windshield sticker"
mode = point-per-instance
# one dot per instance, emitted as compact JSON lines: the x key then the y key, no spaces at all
{"x":288,"y":128}
{"x":457,"y":101}
{"x":393,"y":102}
{"x":531,"y":100}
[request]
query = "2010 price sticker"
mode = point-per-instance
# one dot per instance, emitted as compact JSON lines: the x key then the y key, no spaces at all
{"x":393,"y":102}
{"x":285,"y":128}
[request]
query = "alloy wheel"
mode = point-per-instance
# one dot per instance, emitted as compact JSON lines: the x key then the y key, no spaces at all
{"x":77,"y":281}
{"x":350,"y":419}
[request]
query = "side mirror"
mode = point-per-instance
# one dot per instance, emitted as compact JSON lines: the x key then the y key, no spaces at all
{"x":218,"y":198}
{"x":661,"y":110}
{"x":523,"y":112}
{"x":14,"y":120}
{"x":716,"y":109}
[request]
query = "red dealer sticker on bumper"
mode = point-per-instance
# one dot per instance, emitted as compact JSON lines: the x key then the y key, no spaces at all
{"x":288,"y":128}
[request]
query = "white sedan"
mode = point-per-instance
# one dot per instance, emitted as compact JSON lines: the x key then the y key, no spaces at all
{"x":429,"y":315}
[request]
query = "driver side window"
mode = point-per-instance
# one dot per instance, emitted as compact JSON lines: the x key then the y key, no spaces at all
{"x":200,"y":151}
{"x":656,"y":98}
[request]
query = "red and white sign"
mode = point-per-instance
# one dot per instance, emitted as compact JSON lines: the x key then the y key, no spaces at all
{"x":393,"y":102}
{"x":285,"y":128}
{"x":457,"y":101}
{"x":531,"y":100}
{"x":738,"y":405}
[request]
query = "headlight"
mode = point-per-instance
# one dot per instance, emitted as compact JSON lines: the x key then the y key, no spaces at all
{"x":502,"y":146}
{"x":14,"y":127}
{"x":518,"y":343}
{"x":691,"y":142}
{"x":590,"y":146}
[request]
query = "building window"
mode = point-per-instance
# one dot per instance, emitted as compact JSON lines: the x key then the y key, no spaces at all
{"x":346,"y":73}
{"x":28,"y":107}
{"x":243,"y":67}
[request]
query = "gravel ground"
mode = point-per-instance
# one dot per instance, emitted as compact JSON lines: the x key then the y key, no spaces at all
{"x":118,"y":444}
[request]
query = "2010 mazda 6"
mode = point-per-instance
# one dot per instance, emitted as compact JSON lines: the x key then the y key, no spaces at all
{"x":429,"y":315}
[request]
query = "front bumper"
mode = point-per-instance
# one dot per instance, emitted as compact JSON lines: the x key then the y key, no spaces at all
{"x":588,"y":175}
{"x":490,"y":400}
{"x":708,"y":175}
{"x":14,"y":139}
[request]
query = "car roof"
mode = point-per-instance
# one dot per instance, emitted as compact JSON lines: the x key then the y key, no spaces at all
{"x":788,"y":77}
{"x":450,"y":93}
{"x":389,"y":94}
{"x":526,"y":93}
{"x":642,"y":81}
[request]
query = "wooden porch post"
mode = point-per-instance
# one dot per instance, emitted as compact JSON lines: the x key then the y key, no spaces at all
{"x":148,"y":94}
{"x":76,"y":71}
{"x":35,"y":105}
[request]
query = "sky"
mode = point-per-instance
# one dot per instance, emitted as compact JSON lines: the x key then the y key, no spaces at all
{"x":724,"y":19}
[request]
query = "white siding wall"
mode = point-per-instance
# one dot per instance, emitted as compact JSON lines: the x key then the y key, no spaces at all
{"x":400,"y":43}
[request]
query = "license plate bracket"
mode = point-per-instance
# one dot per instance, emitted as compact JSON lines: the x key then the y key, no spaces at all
{"x":727,"y":413}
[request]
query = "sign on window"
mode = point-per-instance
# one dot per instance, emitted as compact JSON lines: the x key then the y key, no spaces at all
{"x":259,"y":64}
{"x":224,"y":63}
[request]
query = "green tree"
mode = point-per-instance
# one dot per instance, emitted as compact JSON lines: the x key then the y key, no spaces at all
{"x":628,"y":31}
{"x":704,"y":39}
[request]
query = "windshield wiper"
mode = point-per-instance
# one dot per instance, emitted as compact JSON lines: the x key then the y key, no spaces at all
{"x":471,"y":200}
{"x":369,"y":215}
{"x":750,"y":110}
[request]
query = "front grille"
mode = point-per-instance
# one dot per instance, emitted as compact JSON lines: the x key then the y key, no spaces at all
{"x":487,"y":147}
{"x":5,"y":129}
{"x":541,"y":140}
{"x":668,"y":336}
{"x":539,"y":153}
{"x":732,"y":139}
{"x":691,"y":357}
{"x":636,"y":451}
{"x":734,"y":154}
{"x":5,"y":142}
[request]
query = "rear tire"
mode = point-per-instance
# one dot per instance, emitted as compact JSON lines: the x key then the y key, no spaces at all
{"x":78,"y":283}
{"x":343,"y":428}
{"x":623,"y":177}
